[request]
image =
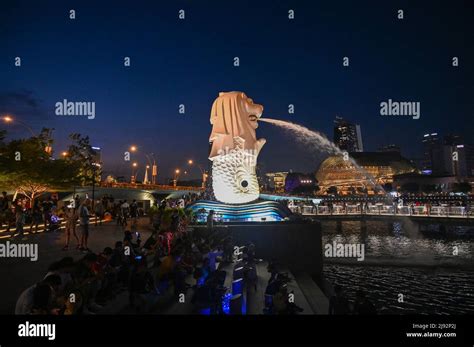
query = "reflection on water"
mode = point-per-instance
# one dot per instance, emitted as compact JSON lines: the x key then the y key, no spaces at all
{"x":399,"y":258}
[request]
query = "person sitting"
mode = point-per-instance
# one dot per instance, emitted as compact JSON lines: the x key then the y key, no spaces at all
{"x":63,"y":268}
{"x":29,"y":298}
{"x":43,"y":300}
{"x":143,"y":292}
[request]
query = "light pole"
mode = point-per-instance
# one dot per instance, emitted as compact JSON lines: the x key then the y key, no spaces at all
{"x":154,"y":168}
{"x":176,"y":176}
{"x":145,"y":179}
{"x":9,"y":119}
{"x":132,"y":178}
{"x":203,"y":173}
{"x":94,"y":166}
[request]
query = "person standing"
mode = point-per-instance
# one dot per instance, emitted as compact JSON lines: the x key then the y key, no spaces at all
{"x":99,"y":212}
{"x":46,"y":205}
{"x":4,"y":209}
{"x":210,"y":220}
{"x":19,"y":218}
{"x":35,"y":217}
{"x":125,"y":212}
{"x":84,"y":216}
{"x":134,"y":212}
{"x":71,"y":221}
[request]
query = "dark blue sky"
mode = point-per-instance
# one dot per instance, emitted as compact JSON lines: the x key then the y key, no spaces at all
{"x":282,"y":62}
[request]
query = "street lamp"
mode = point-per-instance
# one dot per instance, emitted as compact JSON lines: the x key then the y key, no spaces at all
{"x":154,"y":168}
{"x":204,"y":174}
{"x":145,"y":179}
{"x":176,"y":175}
{"x":94,"y":169}
{"x":132,"y":179}
{"x":133,"y":148}
{"x":9,"y":119}
{"x":64,"y":154}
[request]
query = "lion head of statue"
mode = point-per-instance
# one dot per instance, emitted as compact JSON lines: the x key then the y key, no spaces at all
{"x":233,"y":116}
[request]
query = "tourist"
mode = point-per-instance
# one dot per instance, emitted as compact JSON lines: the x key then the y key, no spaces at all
{"x":77,"y":201}
{"x":70,"y":226}
{"x":84,"y":216}
{"x":19,"y":218}
{"x":99,"y":211}
{"x":210,"y":220}
{"x":46,"y":206}
{"x":3,"y":209}
{"x":134,"y":212}
{"x":124,"y":212}
{"x":212,"y":256}
{"x":36,"y":217}
{"x":63,"y":268}
{"x":143,"y":292}
{"x":31,"y":300}
{"x":119,"y":261}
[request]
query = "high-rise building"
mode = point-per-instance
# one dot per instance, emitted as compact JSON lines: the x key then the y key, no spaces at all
{"x":464,"y":165}
{"x":347,"y":136}
{"x":448,"y":156}
{"x":430,"y":141}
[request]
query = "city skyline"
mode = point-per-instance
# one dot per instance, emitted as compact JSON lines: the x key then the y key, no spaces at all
{"x":282,"y":62}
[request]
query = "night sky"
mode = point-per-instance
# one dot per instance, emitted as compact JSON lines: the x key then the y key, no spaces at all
{"x":190,"y":61}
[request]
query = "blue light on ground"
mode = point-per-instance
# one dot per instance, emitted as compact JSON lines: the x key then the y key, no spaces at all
{"x":237,"y":287}
{"x":226,"y":303}
{"x":205,"y":311}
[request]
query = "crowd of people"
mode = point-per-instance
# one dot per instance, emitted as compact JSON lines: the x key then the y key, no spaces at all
{"x":167,"y":261}
{"x":171,"y":261}
{"x":20,"y":213}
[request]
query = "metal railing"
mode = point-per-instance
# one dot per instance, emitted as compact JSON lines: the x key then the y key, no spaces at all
{"x":148,"y":186}
{"x":380,"y":209}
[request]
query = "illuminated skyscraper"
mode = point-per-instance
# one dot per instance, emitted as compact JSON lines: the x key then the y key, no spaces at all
{"x":347,"y":136}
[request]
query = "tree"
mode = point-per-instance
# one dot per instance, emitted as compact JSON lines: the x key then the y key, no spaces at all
{"x":82,"y":152}
{"x":26,"y":167}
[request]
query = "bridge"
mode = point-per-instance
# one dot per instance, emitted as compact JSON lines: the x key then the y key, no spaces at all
{"x":127,"y":191}
{"x":459,"y":215}
{"x":162,"y":188}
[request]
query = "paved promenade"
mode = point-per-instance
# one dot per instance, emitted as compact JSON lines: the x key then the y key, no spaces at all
{"x":18,"y":274}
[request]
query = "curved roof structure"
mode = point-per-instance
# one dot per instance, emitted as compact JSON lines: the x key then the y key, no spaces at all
{"x":378,"y":166}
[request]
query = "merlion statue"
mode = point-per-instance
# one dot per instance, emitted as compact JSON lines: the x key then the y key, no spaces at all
{"x":235,"y":148}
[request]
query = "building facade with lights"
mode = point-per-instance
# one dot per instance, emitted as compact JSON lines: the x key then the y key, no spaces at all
{"x":375,"y":168}
{"x":275,"y":181}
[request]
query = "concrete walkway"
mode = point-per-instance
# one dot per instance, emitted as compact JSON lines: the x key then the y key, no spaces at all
{"x":17,"y":274}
